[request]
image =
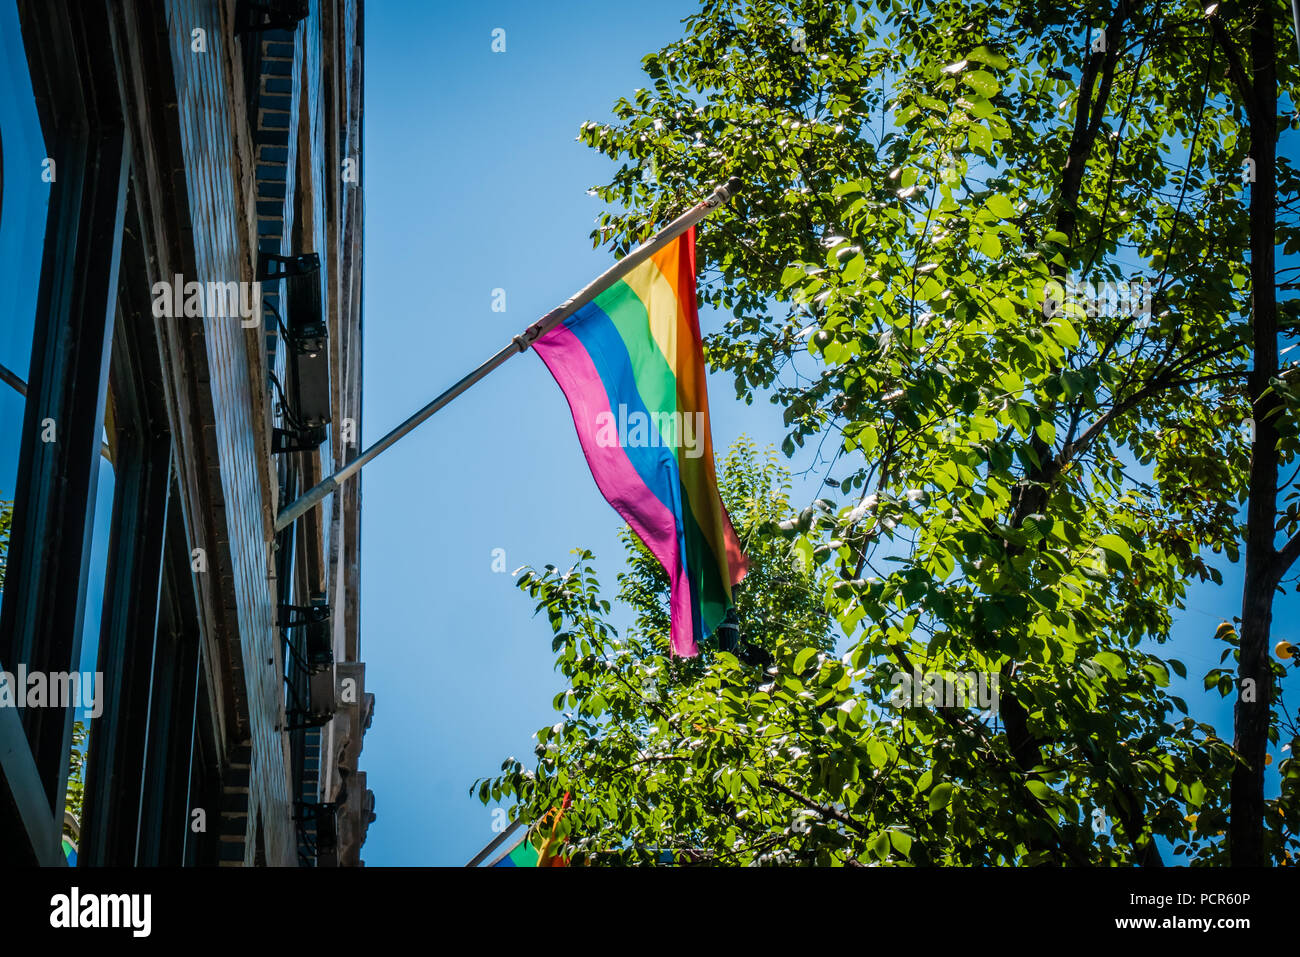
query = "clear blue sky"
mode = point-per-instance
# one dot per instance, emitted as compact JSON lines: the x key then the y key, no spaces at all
{"x":474,"y":181}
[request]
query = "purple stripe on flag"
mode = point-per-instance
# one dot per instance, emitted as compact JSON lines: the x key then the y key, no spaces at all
{"x":615,"y":476}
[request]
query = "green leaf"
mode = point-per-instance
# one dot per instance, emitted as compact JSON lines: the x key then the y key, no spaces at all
{"x":1000,"y":206}
{"x":1158,"y":673}
{"x":880,"y":845}
{"x":877,"y":754}
{"x":1041,"y":791}
{"x":980,"y":138}
{"x":902,"y":842}
{"x":1112,"y":662}
{"x":940,"y":796}
{"x":985,"y":84}
{"x":979,"y":107}
{"x":990,"y":245}
{"x":1116,"y":548}
{"x":986,"y":56}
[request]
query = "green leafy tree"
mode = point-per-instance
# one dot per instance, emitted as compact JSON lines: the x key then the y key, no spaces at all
{"x":6,"y":521}
{"x":777,"y":600}
{"x":624,"y":719}
{"x":780,"y":755}
{"x":76,"y":797}
{"x":941,"y":204}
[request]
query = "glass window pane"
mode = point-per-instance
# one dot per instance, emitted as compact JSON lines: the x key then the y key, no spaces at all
{"x":24,"y":199}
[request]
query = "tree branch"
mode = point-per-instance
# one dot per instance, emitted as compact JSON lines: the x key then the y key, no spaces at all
{"x":1288,"y":554}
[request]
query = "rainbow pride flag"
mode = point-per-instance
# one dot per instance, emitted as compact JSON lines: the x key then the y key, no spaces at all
{"x":631,"y":364}
{"x":525,"y":854}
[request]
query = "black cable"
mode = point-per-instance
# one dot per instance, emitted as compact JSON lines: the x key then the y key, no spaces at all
{"x":286,"y":411}
{"x":284,"y":330}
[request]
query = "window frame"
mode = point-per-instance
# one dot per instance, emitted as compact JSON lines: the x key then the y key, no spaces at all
{"x":75,"y":84}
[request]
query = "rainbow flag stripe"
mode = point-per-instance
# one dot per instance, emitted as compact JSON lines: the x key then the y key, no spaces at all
{"x":523,"y":854}
{"x":631,"y":364}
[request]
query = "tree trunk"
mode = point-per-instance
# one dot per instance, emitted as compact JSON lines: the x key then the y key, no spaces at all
{"x":1254,"y":676}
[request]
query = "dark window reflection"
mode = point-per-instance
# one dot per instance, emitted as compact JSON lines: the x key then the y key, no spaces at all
{"x":24,"y":197}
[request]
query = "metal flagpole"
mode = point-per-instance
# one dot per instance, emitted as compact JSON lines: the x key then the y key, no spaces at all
{"x":497,"y":841}
{"x":520,"y":343}
{"x":1295,"y":17}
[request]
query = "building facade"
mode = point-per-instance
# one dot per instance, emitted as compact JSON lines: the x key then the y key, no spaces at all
{"x":181,"y":221}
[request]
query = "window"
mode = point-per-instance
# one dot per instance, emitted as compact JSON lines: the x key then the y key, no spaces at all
{"x":24,"y":202}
